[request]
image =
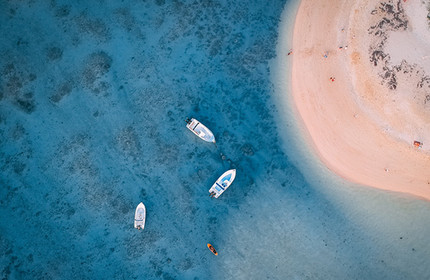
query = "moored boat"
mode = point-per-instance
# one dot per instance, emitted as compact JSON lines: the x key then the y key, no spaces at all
{"x":200,"y":130}
{"x":140,"y":216}
{"x":222,"y":183}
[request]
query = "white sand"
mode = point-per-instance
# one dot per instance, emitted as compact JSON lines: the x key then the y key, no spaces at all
{"x":362,"y":129}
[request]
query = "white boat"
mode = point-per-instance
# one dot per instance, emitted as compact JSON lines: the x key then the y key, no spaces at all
{"x":222,"y":183}
{"x":140,"y":216}
{"x":200,"y":130}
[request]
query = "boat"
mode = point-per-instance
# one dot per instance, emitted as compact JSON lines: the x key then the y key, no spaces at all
{"x":200,"y":130}
{"x":222,"y":183}
{"x":140,"y":216}
{"x":212,"y":249}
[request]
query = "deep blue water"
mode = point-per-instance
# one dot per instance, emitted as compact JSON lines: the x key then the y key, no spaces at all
{"x":93,"y":98}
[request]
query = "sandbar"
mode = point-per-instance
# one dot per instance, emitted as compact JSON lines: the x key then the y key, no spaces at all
{"x":360,"y":83}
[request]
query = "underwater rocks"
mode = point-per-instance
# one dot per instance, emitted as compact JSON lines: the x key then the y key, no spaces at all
{"x":54,"y":53}
{"x":62,"y":11}
{"x":96,"y":67}
{"x":26,"y":103}
{"x":247,"y":149}
{"x":63,"y":90}
{"x":98,"y":64}
{"x":74,"y":158}
{"x":96,"y":28}
{"x":15,"y":87}
{"x":128,"y":144}
{"x":126,"y":20}
{"x":16,"y":150}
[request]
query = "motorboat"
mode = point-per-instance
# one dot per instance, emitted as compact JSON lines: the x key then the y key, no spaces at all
{"x":140,"y":216}
{"x":222,"y":183}
{"x":200,"y":130}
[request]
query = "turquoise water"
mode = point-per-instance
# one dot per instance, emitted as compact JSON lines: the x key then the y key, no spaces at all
{"x":93,"y":98}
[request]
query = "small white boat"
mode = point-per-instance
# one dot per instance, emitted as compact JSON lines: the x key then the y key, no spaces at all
{"x":140,"y":216}
{"x":222,"y":183}
{"x":200,"y":130}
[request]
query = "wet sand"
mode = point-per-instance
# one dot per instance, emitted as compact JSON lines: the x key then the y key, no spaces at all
{"x":362,"y":96}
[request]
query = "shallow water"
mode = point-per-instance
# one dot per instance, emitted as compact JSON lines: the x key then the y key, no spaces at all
{"x":93,"y":98}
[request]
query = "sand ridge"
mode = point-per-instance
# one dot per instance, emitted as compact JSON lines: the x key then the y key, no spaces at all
{"x":363,"y":111}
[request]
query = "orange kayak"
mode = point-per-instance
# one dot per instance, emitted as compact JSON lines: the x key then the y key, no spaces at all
{"x":212,"y":249}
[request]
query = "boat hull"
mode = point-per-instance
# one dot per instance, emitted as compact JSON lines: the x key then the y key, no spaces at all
{"x":140,"y":216}
{"x":200,"y":130}
{"x":223,"y":182}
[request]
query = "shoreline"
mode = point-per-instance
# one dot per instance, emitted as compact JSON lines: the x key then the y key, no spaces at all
{"x":343,"y":106}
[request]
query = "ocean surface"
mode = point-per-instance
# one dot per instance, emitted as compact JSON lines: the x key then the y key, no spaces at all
{"x":93,"y":98}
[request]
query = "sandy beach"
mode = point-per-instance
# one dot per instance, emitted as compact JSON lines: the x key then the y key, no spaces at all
{"x":361,"y":85}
